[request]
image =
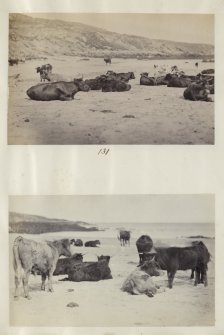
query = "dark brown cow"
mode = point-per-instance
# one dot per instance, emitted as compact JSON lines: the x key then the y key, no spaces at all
{"x":174,"y":258}
{"x":114,"y":85}
{"x":91,"y":271}
{"x":144,"y":245}
{"x":124,"y":237}
{"x":197,"y":91}
{"x":64,"y":265}
{"x":57,"y":91}
{"x":92,"y":244}
{"x":107,"y":60}
{"x":36,"y":257}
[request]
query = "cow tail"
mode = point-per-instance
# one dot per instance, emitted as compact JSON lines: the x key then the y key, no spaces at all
{"x":16,"y":259}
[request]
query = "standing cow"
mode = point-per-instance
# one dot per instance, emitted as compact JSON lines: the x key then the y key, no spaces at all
{"x":144,"y":245}
{"x":124,"y":237}
{"x":174,"y":258}
{"x":36,"y":257}
{"x":107,"y":60}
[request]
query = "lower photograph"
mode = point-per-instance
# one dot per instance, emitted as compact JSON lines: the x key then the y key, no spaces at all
{"x":112,"y":260}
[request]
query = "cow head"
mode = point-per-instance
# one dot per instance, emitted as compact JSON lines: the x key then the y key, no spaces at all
{"x":81,"y":85}
{"x":151,"y":267}
{"x":104,"y":258}
{"x":144,"y":74}
{"x":97,"y":242}
{"x":132,"y":75}
{"x":38,"y":69}
{"x":63,"y":247}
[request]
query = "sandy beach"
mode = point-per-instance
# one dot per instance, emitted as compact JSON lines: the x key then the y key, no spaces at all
{"x":143,"y":115}
{"x":103,"y":303}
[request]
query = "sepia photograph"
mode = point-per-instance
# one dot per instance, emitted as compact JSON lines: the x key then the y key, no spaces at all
{"x":112,"y":260}
{"x":111,"y":78}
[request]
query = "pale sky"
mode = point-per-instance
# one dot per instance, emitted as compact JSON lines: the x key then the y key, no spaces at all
{"x":119,"y":208}
{"x":192,"y":28}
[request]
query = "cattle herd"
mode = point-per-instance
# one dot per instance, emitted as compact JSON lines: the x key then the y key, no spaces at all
{"x":42,"y":258}
{"x":196,"y":87}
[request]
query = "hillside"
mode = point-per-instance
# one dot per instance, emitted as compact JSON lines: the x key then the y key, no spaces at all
{"x":36,"y":38}
{"x":34,"y":224}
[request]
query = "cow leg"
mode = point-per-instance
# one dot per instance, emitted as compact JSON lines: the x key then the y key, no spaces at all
{"x":50,"y":279}
{"x":17,"y":283}
{"x":43,"y":276}
{"x":197,"y":276}
{"x":25,"y":284}
{"x":170,"y":276}
{"x":192,"y":274}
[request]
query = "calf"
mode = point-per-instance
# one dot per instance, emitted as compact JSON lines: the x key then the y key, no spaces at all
{"x":36,"y":257}
{"x":57,"y":91}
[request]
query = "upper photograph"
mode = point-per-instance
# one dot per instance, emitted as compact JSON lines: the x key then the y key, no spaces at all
{"x":111,"y":79}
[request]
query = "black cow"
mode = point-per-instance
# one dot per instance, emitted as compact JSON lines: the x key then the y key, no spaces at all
{"x":96,"y":83}
{"x":144,"y":245}
{"x":77,"y":243}
{"x":57,"y":91}
{"x":114,"y":85}
{"x":175,"y":81}
{"x":91,"y":271}
{"x":124,"y":76}
{"x":64,"y":265}
{"x":152,"y":81}
{"x":107,"y":60}
{"x":198,"y":91}
{"x":13,"y":61}
{"x":208,"y":71}
{"x":92,"y":244}
{"x":196,"y":64}
{"x":173,"y":259}
{"x":124,"y":237}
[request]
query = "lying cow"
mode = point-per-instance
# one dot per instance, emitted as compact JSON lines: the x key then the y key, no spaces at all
{"x":114,"y":85}
{"x":197,"y":91}
{"x":152,"y":81}
{"x":91,"y":271}
{"x":64,"y":265}
{"x":173,"y":259}
{"x":36,"y":257}
{"x":57,"y":91}
{"x":92,"y":243}
{"x":96,"y":83}
{"x":77,"y":243}
{"x":124,"y":76}
{"x":140,"y":282}
{"x":176,"y":81}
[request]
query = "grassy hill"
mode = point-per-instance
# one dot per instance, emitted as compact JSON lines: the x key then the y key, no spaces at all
{"x":37,"y":38}
{"x":34,"y":224}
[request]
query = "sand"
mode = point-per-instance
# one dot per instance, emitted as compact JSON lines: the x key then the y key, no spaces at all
{"x":104,"y":304}
{"x":156,"y":115}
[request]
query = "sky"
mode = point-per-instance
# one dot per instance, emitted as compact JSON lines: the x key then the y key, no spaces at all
{"x":119,"y":208}
{"x":191,"y":28}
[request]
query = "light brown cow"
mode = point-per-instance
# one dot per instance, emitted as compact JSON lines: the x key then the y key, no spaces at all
{"x":36,"y":257}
